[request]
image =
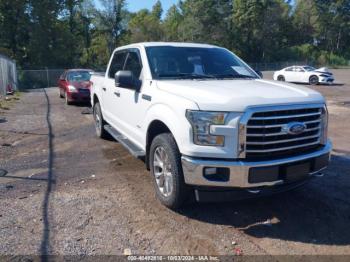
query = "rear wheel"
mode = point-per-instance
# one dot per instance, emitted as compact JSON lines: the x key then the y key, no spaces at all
{"x":281,"y":78}
{"x":313,"y":80}
{"x":166,"y":169}
{"x":99,"y":122}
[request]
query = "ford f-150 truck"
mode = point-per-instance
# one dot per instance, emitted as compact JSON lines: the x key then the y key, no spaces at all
{"x":205,"y":123}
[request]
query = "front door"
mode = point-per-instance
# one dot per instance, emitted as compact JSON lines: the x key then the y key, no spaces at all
{"x":300,"y":74}
{"x":132,"y":102}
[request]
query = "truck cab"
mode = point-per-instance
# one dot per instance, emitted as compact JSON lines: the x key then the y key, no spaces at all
{"x":206,"y":124}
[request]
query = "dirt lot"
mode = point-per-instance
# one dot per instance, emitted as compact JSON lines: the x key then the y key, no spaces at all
{"x":67,"y":192}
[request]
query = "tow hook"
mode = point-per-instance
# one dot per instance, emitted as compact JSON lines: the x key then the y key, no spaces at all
{"x":253,"y":191}
{"x":319,"y":174}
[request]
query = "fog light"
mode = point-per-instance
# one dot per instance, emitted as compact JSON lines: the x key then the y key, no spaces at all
{"x":210,"y":171}
{"x":218,"y":174}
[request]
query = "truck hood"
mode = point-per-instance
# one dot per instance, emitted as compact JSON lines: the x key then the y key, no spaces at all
{"x":237,"y":95}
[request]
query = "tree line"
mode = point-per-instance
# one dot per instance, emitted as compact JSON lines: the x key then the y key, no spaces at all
{"x":77,"y":33}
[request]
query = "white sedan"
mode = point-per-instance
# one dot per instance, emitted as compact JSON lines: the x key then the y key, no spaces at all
{"x":304,"y":74}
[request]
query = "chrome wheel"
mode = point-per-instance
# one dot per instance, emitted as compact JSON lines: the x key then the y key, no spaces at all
{"x":163,"y":171}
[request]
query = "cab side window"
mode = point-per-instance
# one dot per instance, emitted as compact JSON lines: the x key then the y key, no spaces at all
{"x":133,"y":63}
{"x":117,"y":63}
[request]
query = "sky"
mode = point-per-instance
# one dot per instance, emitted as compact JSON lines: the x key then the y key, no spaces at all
{"x":136,"y":5}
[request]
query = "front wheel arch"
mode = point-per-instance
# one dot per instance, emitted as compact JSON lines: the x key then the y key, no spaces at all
{"x":155,"y":128}
{"x":95,"y":100}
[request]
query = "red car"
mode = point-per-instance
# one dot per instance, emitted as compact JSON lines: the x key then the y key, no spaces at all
{"x":74,"y":85}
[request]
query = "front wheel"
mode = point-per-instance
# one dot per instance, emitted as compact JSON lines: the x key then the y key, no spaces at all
{"x":166,"y":169}
{"x":313,"y":80}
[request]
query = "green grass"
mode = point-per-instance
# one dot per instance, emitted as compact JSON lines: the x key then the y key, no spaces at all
{"x":7,"y":101}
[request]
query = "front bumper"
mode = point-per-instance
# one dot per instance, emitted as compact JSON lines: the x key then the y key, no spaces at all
{"x":244,"y":174}
{"x":79,"y":96}
{"x":326,"y":80}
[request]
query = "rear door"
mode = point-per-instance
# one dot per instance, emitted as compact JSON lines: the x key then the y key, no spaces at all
{"x":291,"y":74}
{"x":110,"y":95}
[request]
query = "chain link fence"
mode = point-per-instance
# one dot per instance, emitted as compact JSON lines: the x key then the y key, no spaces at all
{"x":8,"y":75}
{"x":32,"y":79}
{"x":275,"y":66}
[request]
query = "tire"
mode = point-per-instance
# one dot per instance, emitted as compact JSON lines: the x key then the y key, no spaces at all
{"x":99,"y":122}
{"x":66,"y":99}
{"x":175,"y":194}
{"x":61,"y":96}
{"x":281,"y":78}
{"x":313,"y":80}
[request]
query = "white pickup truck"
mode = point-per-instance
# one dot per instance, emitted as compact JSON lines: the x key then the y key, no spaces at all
{"x":206,"y":124}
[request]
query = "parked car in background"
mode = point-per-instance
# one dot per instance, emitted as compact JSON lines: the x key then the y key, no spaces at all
{"x":304,"y":74}
{"x":206,"y":123}
{"x":74,"y":85}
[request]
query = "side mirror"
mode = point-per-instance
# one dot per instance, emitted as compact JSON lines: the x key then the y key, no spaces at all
{"x":259,"y":73}
{"x":127,"y":79}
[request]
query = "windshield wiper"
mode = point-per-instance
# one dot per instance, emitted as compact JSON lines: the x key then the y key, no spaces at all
{"x":187,"y":76}
{"x":234,"y":76}
{"x":199,"y":76}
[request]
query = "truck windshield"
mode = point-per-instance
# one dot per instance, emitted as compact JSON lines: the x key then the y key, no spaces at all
{"x":170,"y":62}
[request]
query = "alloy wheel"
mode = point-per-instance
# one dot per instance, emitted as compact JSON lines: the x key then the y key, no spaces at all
{"x":163,"y":171}
{"x":314,"y":80}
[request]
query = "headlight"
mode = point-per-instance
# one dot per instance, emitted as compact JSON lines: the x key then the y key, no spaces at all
{"x":201,"y":122}
{"x":324,"y":125}
{"x":72,"y":88}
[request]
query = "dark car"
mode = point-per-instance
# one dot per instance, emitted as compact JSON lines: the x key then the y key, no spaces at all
{"x":74,"y":85}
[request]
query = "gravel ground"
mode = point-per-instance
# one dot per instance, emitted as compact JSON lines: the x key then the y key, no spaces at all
{"x":67,"y":192}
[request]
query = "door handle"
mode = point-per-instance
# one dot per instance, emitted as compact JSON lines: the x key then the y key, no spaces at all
{"x":103,"y":88}
{"x":146,"y":97}
{"x":117,"y":94}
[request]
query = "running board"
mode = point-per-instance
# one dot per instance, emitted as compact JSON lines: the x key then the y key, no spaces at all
{"x":135,"y":150}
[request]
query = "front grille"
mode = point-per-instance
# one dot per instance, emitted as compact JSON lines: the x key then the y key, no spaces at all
{"x":266,"y":139}
{"x":84,"y":90}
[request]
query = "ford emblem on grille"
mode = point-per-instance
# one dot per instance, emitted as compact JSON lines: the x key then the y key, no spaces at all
{"x":294,"y":128}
